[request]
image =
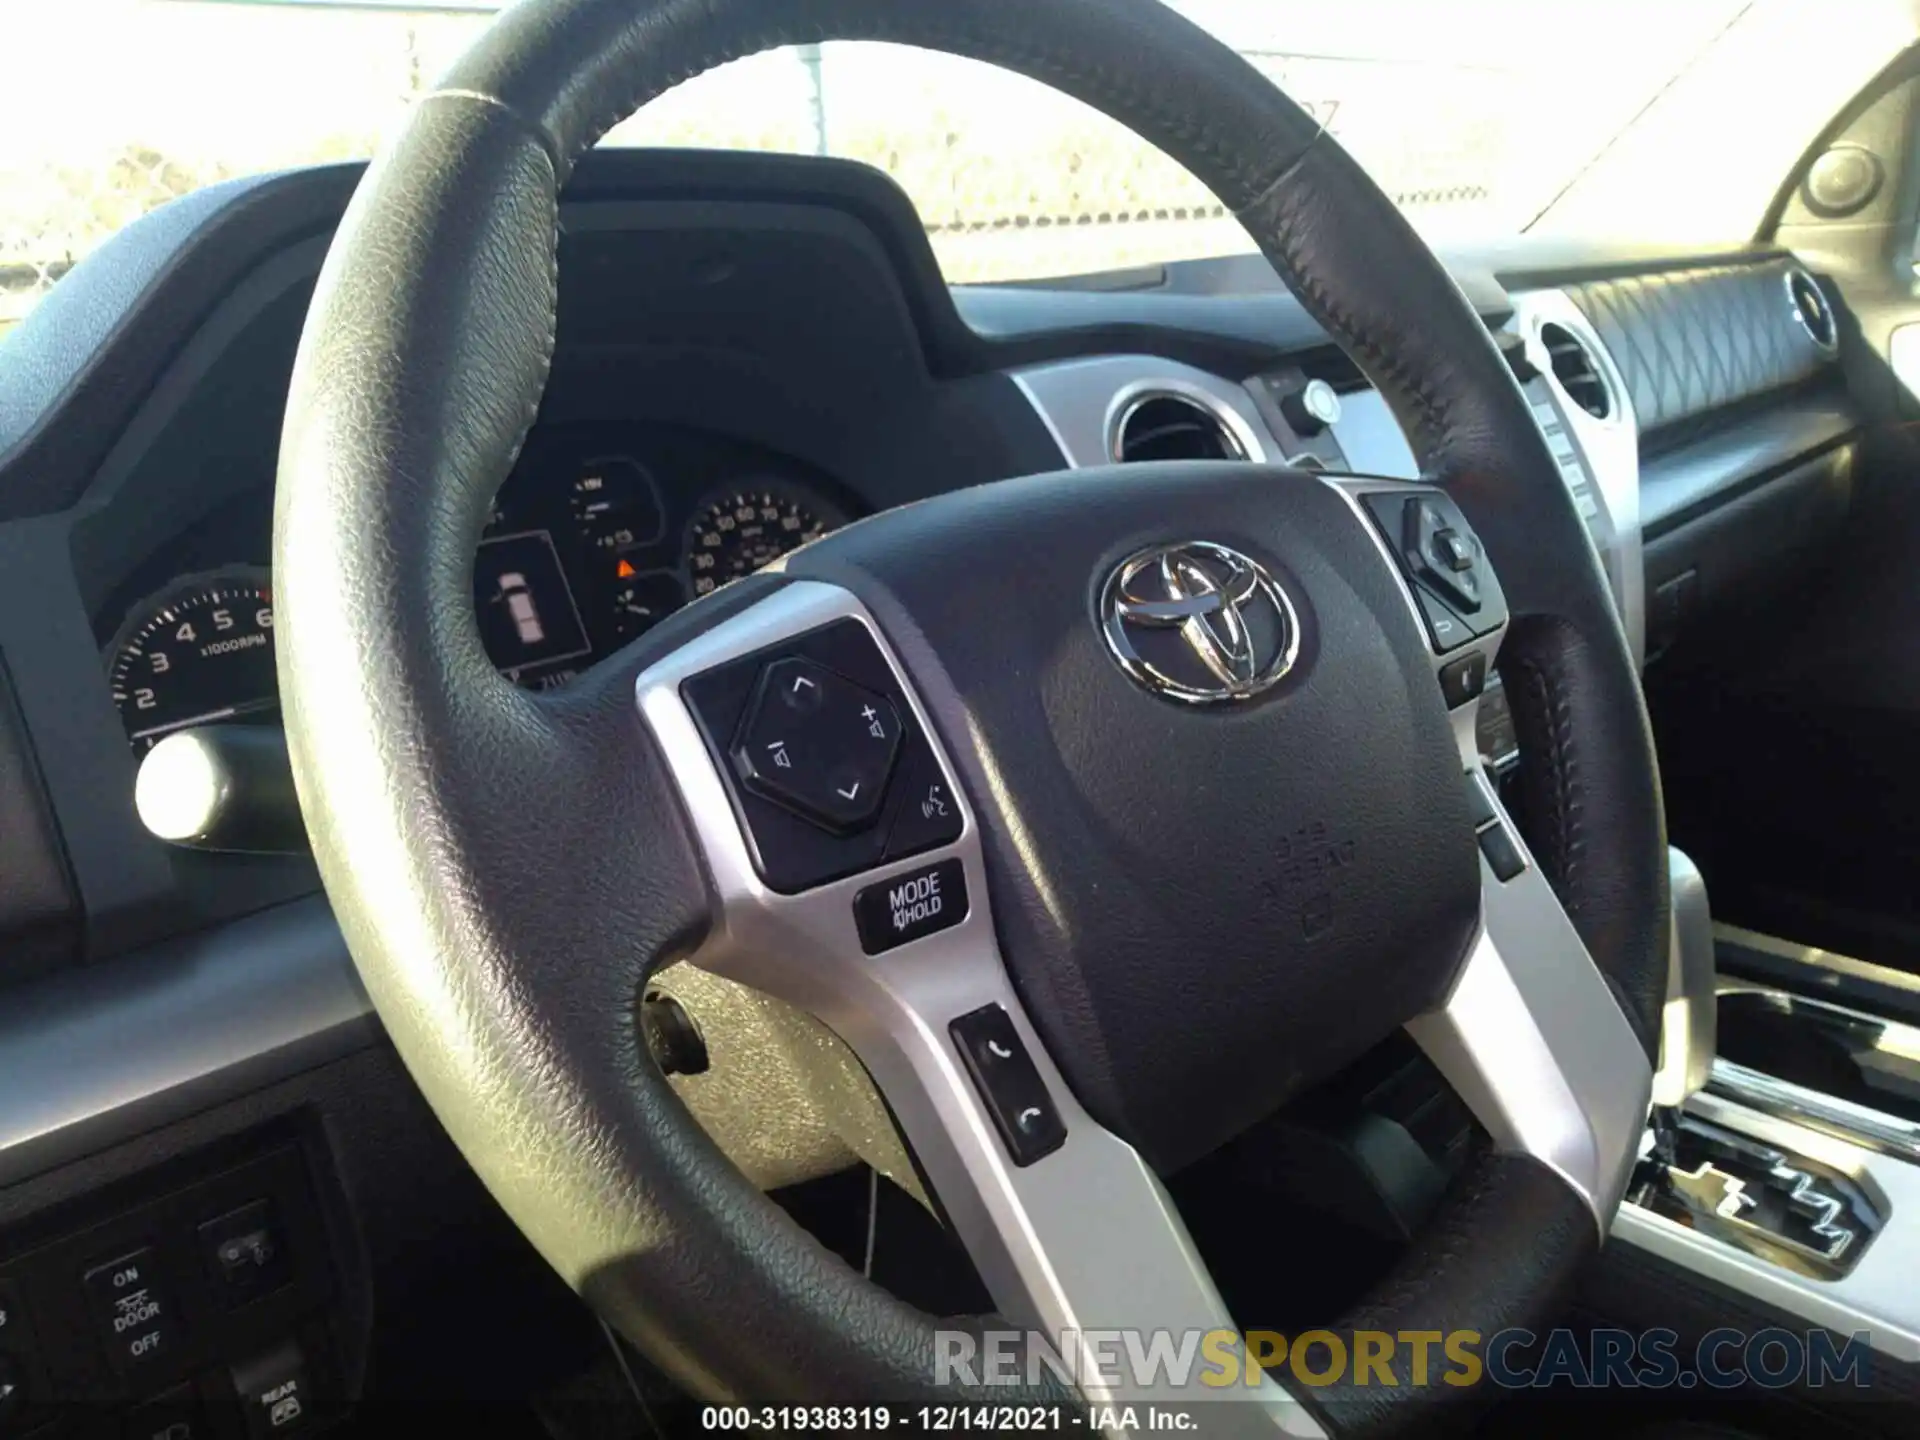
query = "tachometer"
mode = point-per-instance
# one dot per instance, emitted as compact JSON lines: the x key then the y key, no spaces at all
{"x":198,"y":652}
{"x":745,"y":528}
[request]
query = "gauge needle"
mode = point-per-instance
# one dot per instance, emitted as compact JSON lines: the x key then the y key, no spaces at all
{"x":251,"y":707}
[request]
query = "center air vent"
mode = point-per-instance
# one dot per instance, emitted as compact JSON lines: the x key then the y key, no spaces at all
{"x":1162,"y":426}
{"x":1573,"y":367}
{"x":1811,"y":310}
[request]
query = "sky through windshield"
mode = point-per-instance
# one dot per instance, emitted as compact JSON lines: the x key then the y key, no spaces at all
{"x":1479,"y":116}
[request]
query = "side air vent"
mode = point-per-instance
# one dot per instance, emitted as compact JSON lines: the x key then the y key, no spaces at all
{"x":1164,"y":426}
{"x":1811,"y":310}
{"x":1573,"y":367}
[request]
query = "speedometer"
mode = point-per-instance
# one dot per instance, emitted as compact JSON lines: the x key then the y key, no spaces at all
{"x":743,"y":529}
{"x":197,"y":653}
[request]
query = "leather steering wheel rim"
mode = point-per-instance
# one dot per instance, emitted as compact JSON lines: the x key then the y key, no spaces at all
{"x":438,"y":795}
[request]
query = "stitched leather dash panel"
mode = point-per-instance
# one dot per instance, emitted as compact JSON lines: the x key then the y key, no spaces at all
{"x":1690,"y":341}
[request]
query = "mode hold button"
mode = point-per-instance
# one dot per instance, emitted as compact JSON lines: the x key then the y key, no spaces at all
{"x":910,"y":905}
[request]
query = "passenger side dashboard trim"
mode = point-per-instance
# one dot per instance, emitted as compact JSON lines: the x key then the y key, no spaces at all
{"x":1698,"y":339}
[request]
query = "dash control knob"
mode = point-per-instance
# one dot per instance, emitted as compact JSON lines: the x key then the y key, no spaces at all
{"x":1311,"y":408}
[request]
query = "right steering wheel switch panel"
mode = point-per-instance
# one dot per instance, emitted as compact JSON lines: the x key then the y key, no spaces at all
{"x":1432,"y":543}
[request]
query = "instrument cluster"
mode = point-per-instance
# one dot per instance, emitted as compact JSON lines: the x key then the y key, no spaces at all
{"x":598,"y":534}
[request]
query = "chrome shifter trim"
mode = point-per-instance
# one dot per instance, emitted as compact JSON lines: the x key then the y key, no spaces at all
{"x":1829,"y":1114}
{"x":1878,"y":1296}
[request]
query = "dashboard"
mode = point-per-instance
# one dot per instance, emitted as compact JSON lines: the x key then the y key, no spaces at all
{"x":752,"y":350}
{"x":602,"y":529}
{"x":598,"y":533}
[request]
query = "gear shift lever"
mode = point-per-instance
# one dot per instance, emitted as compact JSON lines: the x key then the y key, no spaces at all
{"x":1687,"y":1021}
{"x":1688,"y":1017}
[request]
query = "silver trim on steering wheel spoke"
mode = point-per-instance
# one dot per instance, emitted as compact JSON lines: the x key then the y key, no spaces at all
{"x":1530,"y":1035}
{"x":1532,"y":1038}
{"x":1084,"y":1239}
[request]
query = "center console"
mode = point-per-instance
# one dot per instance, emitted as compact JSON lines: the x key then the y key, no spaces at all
{"x":1788,"y":1175}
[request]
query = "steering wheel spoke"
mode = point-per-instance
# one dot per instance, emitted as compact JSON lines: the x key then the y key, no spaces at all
{"x":1530,"y":1034}
{"x":1532,"y":1037}
{"x":1043,"y":1197}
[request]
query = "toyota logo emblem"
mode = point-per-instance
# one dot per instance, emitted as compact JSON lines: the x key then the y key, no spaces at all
{"x":1199,"y":623}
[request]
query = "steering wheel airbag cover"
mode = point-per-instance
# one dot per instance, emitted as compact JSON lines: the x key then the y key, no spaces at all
{"x":1204,"y":912}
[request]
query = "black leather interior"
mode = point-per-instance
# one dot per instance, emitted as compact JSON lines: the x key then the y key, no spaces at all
{"x":438,"y":796}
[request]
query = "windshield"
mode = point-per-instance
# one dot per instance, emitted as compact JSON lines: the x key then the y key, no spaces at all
{"x":1659,"y":119}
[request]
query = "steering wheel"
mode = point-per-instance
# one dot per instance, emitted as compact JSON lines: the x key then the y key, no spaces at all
{"x":1210,"y":826}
